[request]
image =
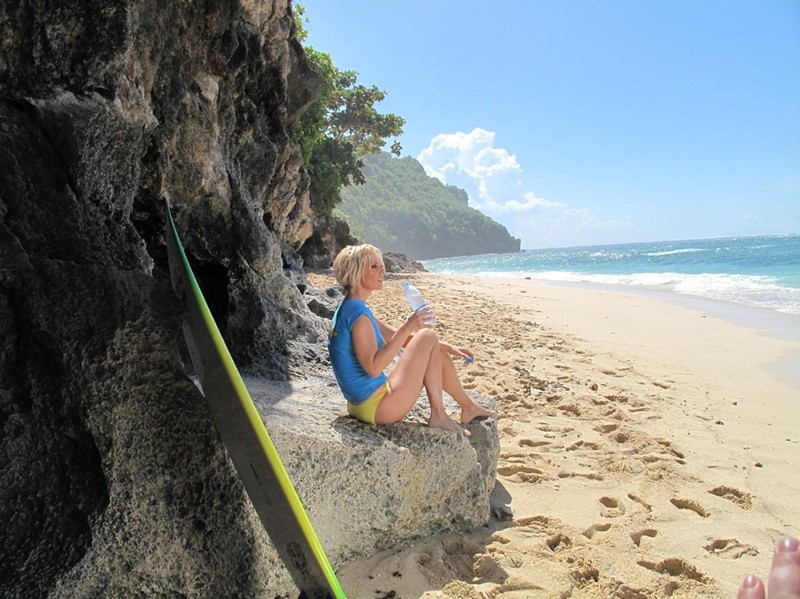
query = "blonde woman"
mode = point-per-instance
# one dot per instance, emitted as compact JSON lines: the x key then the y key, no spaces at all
{"x":361,"y":347}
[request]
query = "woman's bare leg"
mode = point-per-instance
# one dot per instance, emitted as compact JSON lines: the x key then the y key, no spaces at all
{"x":420,"y":365}
{"x":452,"y":384}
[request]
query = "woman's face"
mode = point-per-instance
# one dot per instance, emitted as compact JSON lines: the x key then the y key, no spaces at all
{"x":374,"y":270}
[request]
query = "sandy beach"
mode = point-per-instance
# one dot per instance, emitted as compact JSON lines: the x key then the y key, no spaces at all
{"x":648,"y":448}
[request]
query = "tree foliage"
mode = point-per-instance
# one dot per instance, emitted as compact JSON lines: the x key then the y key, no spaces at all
{"x":340,"y":128}
{"x":400,"y":208}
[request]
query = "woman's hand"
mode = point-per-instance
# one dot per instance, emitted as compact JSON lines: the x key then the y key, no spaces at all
{"x":420,"y":319}
{"x":461,"y":352}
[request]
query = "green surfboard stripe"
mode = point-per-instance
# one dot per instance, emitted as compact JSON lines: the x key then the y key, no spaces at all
{"x":245,"y":437}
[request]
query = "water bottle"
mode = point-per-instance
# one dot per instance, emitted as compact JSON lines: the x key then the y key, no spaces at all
{"x":415,"y":300}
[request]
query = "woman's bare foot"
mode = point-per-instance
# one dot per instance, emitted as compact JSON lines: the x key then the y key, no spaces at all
{"x":446,"y":423}
{"x":475,"y":411}
{"x":784,"y":575}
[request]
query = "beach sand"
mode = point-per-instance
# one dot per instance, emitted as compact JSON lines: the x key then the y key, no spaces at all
{"x":648,"y":448}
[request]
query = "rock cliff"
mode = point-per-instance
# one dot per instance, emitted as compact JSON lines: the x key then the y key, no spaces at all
{"x":113,"y":480}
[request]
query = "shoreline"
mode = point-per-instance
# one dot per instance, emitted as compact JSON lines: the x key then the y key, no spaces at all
{"x":782,"y":325}
{"x":772,"y":323}
{"x":777,"y":325}
{"x":646,"y":446}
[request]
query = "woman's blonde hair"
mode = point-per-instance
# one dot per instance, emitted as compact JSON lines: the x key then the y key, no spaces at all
{"x":351,"y":262}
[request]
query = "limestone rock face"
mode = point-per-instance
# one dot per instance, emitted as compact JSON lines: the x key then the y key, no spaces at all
{"x":113,"y":480}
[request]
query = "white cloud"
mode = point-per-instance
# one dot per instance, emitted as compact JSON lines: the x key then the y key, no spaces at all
{"x":531,"y":202}
{"x":471,"y":153}
{"x":492,"y":178}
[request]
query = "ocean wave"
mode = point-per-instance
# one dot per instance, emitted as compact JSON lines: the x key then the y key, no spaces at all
{"x":750,"y":290}
{"x":646,"y":279}
{"x":674,"y":252}
{"x":759,"y":291}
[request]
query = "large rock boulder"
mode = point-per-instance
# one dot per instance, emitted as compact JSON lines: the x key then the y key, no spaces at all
{"x":330,"y":235}
{"x":374,"y":487}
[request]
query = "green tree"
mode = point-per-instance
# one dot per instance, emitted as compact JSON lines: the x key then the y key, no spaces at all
{"x":341,"y":127}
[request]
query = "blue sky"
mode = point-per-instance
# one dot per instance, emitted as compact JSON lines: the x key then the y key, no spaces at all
{"x":583,"y":122}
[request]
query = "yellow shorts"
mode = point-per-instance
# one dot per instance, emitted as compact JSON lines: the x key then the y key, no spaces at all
{"x":366,"y":410}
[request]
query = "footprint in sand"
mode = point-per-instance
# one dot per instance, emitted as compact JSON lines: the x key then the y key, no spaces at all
{"x":533,"y":442}
{"x":509,"y":430}
{"x":729,"y":548}
{"x":617,"y":397}
{"x":514,"y":456}
{"x":678,"y":454}
{"x":689,"y":504}
{"x":606,"y":428}
{"x":611,"y":373}
{"x":623,"y":464}
{"x":597,"y":400}
{"x":614,"y":413}
{"x":636,"y":536}
{"x":621,"y":437}
{"x":549,"y":428}
{"x":584,"y":575}
{"x":462,"y":559}
{"x":512,"y":469}
{"x":570,"y":409}
{"x":540,"y":522}
{"x":613,"y":507}
{"x":640,"y":501}
{"x":589,"y":475}
{"x":740,"y":498}
{"x":485,"y":568}
{"x":583,"y":445}
{"x":558,"y":542}
{"x":675,"y":566}
{"x":595,"y":528}
{"x":668,"y":445}
{"x":521,"y":473}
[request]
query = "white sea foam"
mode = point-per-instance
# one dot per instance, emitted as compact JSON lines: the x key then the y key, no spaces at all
{"x":674,"y":252}
{"x":748,"y":290}
{"x":741,"y":289}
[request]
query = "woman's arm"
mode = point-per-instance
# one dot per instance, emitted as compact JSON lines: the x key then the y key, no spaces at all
{"x":365,"y":343}
{"x":388,"y":331}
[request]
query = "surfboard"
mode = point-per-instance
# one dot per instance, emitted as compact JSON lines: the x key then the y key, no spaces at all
{"x":246,"y":438}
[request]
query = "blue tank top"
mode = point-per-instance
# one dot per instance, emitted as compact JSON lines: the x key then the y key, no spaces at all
{"x":357,"y":386}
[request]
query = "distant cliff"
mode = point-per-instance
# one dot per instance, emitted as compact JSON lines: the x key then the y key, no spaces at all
{"x":401,"y":209}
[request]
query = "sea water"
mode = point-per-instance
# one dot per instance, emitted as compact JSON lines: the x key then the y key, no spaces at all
{"x":759,"y":272}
